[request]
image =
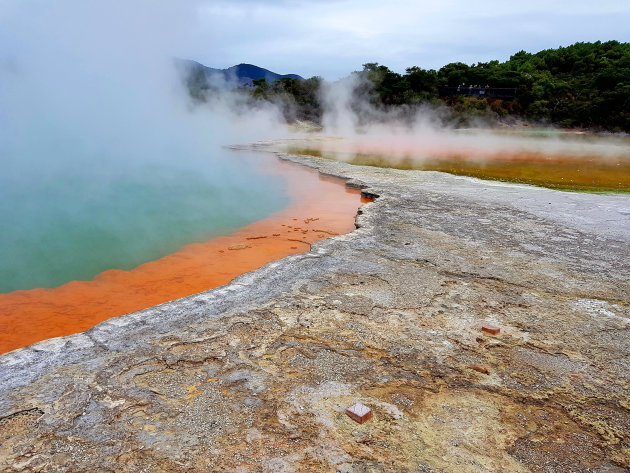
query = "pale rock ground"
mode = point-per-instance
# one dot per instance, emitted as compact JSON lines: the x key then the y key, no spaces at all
{"x":255,"y":376}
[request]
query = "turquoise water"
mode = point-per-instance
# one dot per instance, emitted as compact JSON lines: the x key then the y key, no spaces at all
{"x":73,"y":222}
{"x":105,"y":162}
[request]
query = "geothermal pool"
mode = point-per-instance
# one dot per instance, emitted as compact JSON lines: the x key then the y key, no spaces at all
{"x":72,"y":225}
{"x":80,"y":250}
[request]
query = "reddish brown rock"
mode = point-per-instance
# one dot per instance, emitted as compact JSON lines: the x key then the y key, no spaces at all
{"x":359,"y":413}
{"x":491,"y":329}
{"x":479,"y":369}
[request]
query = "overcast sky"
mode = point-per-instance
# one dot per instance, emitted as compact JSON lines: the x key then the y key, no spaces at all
{"x":331,"y":38}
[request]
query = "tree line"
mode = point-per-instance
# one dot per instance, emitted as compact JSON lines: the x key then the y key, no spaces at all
{"x":583,"y":85}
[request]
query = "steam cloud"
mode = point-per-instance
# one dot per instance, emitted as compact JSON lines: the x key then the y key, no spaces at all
{"x":426,"y":132}
{"x":91,"y":105}
{"x":100,"y":74}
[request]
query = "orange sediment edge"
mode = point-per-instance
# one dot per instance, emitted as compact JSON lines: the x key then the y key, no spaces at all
{"x":321,"y":207}
{"x":552,"y":169}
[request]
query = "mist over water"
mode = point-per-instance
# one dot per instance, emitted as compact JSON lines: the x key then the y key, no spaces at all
{"x":73,"y":226}
{"x":426,"y":132}
{"x":105,"y":163}
{"x":423,"y":138}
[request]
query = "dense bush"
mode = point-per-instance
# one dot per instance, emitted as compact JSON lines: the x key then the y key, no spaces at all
{"x":582,"y":85}
{"x":298,"y":99}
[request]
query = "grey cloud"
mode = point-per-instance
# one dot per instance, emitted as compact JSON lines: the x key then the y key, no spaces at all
{"x":333,"y":38}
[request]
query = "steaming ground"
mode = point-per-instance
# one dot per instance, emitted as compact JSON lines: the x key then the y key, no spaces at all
{"x":542,"y":157}
{"x":357,"y":132}
{"x":421,"y":139}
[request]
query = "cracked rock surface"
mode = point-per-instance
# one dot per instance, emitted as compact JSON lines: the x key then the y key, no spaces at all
{"x":255,"y":376}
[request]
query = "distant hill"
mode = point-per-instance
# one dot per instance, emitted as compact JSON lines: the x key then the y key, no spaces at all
{"x":249,"y":71}
{"x":241,"y":75}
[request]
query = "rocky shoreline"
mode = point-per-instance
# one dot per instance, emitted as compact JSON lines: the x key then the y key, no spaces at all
{"x":256,"y":375}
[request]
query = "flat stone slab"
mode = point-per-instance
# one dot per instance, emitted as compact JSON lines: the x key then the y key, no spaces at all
{"x":255,"y":376}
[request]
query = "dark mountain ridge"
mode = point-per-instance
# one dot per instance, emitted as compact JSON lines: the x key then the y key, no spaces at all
{"x":254,"y":72}
{"x":241,"y":75}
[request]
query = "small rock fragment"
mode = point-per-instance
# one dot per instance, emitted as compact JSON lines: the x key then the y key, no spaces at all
{"x":491,"y":329}
{"x":479,"y":369}
{"x":359,"y":413}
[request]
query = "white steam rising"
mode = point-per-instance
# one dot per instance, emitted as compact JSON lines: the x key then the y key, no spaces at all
{"x":105,"y":161}
{"x":100,"y":74}
{"x":427,"y":133}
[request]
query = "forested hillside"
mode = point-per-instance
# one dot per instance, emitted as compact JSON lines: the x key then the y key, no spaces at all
{"x":582,"y":85}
